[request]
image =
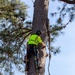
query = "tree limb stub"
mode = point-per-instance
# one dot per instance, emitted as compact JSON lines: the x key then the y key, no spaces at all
{"x":69,"y":1}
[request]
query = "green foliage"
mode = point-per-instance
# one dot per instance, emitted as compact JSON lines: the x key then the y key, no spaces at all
{"x":55,"y":50}
{"x":64,"y":14}
{"x":12,"y":11}
{"x":12,"y":43}
{"x":55,"y":31}
{"x":13,"y":32}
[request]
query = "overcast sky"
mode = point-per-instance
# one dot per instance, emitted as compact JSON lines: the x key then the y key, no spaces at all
{"x":63,"y":63}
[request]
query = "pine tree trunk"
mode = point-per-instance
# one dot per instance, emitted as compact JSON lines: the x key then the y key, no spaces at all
{"x":39,"y":22}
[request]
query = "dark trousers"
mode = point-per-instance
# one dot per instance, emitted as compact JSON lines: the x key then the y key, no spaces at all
{"x":32,"y":50}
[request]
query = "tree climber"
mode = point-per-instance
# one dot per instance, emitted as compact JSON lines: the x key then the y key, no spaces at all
{"x":32,"y":47}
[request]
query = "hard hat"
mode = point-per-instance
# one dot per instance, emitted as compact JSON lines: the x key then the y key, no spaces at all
{"x":38,"y":32}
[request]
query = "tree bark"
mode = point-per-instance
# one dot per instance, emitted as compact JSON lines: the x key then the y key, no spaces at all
{"x":39,"y":23}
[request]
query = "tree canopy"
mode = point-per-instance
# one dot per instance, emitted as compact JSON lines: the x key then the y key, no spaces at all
{"x":13,"y":31}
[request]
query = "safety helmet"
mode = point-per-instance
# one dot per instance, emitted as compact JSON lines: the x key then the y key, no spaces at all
{"x":38,"y":32}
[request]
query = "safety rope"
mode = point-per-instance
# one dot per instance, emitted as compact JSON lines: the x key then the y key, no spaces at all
{"x":36,"y":56}
{"x":36,"y":60}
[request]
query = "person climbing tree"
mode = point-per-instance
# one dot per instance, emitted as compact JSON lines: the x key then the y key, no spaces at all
{"x":32,"y":48}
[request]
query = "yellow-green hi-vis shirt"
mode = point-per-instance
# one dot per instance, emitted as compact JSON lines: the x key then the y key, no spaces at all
{"x":35,"y":39}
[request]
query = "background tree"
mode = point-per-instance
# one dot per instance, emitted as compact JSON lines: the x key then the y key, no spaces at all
{"x":13,"y":29}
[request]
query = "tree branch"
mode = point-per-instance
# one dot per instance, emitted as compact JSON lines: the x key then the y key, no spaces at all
{"x":48,"y":34}
{"x":69,"y":1}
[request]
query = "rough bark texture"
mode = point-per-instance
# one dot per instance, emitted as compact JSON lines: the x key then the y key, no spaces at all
{"x":39,"y":22}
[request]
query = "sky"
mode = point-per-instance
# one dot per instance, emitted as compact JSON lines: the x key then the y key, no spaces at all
{"x":64,"y":62}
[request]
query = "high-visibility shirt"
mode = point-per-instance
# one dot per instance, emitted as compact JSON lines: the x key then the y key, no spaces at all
{"x":35,"y":39}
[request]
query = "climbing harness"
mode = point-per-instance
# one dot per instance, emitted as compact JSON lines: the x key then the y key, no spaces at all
{"x":36,"y":58}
